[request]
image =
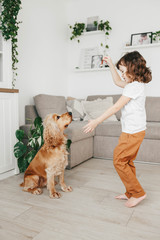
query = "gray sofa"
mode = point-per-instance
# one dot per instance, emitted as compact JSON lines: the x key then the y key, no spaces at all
{"x":102,"y":141}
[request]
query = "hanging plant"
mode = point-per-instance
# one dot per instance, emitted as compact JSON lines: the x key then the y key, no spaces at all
{"x":156,"y":36}
{"x":104,"y":26}
{"x":9,"y":26}
{"x":79,"y":28}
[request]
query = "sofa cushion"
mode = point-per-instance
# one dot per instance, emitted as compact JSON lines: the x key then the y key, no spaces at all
{"x":75,"y":131}
{"x":153,"y":109}
{"x":115,"y":98}
{"x":46,"y":104}
{"x":75,"y":106}
{"x":113,"y":129}
{"x":153,"y":130}
{"x":109,"y":129}
{"x":95,"y":108}
{"x":152,"y":103}
{"x":30,"y":114}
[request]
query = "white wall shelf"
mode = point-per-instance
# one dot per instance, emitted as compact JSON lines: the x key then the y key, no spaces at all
{"x":98,"y":32}
{"x":91,"y":70}
{"x":143,"y":46}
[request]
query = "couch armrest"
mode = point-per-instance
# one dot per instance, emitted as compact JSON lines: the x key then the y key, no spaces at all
{"x":30,"y":113}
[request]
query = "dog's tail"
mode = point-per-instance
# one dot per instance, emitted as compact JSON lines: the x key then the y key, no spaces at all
{"x":22,"y":184}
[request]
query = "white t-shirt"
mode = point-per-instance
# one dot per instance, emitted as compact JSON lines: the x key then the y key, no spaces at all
{"x":133,"y":118}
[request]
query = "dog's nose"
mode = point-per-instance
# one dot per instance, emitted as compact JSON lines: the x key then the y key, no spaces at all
{"x":70,"y":113}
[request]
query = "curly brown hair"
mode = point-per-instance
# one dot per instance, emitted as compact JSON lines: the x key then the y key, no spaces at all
{"x":136,"y":67}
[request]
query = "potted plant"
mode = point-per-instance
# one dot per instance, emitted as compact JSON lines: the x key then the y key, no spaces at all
{"x":25,"y":150}
{"x":156,"y":36}
{"x":78,"y":29}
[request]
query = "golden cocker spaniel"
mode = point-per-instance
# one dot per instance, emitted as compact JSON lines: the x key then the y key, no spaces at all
{"x":51,"y":160}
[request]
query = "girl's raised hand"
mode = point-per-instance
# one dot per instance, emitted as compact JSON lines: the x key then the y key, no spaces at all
{"x":108,"y":60}
{"x":90,"y":126}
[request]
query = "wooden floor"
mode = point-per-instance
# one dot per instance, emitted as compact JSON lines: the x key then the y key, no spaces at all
{"x":90,"y":212}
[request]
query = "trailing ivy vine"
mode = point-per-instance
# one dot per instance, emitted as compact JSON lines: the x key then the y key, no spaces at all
{"x":9,"y":26}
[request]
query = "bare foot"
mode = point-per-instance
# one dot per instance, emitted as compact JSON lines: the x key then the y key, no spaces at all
{"x":122,"y":197}
{"x":132,"y":202}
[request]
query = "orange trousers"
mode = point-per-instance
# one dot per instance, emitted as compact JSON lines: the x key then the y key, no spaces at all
{"x":124,"y":155}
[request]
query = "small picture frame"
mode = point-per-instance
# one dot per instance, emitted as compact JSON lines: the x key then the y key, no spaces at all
{"x":91,"y":24}
{"x":141,"y":38}
{"x":96,"y":61}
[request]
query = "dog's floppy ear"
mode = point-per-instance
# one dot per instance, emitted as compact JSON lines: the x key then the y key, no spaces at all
{"x":52,"y":135}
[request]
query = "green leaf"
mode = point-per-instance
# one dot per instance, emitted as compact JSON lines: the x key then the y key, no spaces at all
{"x":41,"y":130}
{"x":68,"y":144}
{"x":36,"y":134}
{"x":37,"y":146}
{"x":78,"y":29}
{"x":20,"y":135}
{"x":31,"y":142}
{"x":32,"y":131}
{"x":29,"y":157}
{"x":95,"y":23}
{"x":22,"y":164}
{"x":19,"y":149}
{"x":38,"y":122}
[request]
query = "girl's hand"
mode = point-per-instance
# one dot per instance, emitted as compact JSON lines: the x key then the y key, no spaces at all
{"x":108,"y":60}
{"x":90,"y":126}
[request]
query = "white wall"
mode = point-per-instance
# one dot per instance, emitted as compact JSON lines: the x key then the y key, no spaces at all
{"x":126,"y":17}
{"x":42,"y":50}
{"x":47,"y":57}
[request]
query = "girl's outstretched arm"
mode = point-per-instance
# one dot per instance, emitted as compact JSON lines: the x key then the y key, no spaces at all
{"x":116,"y":78}
{"x":123,"y":100}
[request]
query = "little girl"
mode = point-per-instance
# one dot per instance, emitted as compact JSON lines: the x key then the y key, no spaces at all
{"x":132,"y":104}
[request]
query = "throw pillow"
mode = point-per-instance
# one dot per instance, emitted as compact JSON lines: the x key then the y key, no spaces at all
{"x":94,"y":109}
{"x":75,"y":106}
{"x":46,"y":104}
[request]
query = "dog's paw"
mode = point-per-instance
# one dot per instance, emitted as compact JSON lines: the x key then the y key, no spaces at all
{"x":37,"y":191}
{"x":67,"y":189}
{"x":55,"y":195}
{"x":55,"y":182}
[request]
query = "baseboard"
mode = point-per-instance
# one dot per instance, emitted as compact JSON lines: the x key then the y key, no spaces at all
{"x":8,"y":174}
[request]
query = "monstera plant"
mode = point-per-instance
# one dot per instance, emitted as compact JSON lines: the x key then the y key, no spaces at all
{"x":28,"y":144}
